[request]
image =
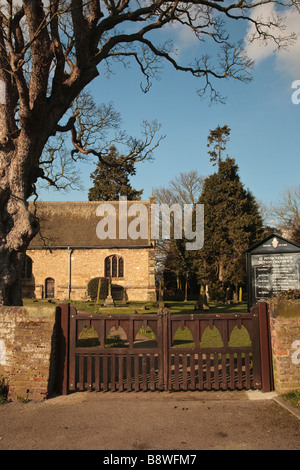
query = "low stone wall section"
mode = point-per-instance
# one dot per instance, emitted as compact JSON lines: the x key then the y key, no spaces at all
{"x":27,"y":351}
{"x":285,"y":340}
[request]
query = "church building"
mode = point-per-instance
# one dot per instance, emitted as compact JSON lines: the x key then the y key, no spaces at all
{"x":67,"y":253}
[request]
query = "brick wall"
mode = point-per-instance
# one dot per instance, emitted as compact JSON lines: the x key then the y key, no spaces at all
{"x":27,"y":351}
{"x":285,"y":339}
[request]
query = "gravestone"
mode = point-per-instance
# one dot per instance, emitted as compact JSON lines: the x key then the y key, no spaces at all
{"x":273,"y":265}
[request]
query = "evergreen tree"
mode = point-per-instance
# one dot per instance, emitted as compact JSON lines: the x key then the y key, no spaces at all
{"x":110,"y":182}
{"x":232,"y":224}
{"x":218,"y":139}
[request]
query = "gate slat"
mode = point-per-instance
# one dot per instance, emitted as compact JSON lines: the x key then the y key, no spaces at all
{"x":128,"y":372}
{"x":144,"y":369}
{"x":105,"y":360}
{"x":89,"y":372}
{"x":176,"y":371}
{"x":192,"y":372}
{"x":97,"y":384}
{"x":224,"y":372}
{"x":120,"y":383}
{"x":239,"y":370}
{"x":231,"y":370}
{"x":81,"y":372}
{"x":200,"y":371}
{"x":208,"y":371}
{"x":184,"y":371}
{"x":152,"y":372}
{"x":216,"y":371}
{"x":113,"y":372}
{"x":247,"y":370}
{"x":136,"y":373}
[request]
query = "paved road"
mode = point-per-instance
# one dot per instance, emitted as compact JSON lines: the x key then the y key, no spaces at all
{"x":150,"y":421}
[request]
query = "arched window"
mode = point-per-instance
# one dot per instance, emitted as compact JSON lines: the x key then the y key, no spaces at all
{"x":27,"y":268}
{"x":114,"y":266}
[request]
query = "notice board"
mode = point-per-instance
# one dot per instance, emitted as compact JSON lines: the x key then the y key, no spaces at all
{"x":273,"y":265}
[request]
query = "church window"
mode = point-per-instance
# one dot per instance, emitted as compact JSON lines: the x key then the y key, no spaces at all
{"x":114,"y":266}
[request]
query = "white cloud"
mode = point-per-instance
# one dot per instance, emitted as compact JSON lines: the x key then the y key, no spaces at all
{"x":287,"y":60}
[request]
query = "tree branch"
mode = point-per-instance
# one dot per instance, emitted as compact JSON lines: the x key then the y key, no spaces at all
{"x":41,"y":55}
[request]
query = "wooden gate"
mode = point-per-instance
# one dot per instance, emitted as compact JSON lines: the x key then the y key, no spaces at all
{"x":137,"y":363}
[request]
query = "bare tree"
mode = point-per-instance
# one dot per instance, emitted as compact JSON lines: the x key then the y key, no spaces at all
{"x":183,"y":189}
{"x":50,"y":51}
{"x":171,"y":254}
{"x":285,"y":214}
{"x":97,"y":127}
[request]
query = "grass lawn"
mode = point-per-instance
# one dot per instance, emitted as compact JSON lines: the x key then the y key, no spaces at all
{"x":147,"y":307}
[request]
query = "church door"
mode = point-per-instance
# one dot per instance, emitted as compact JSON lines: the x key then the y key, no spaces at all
{"x":49,"y":288}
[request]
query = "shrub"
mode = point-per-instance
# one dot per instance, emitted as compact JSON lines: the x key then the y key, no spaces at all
{"x":93,"y":288}
{"x":217,"y":292}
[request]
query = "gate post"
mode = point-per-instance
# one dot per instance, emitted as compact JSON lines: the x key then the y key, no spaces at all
{"x":265,"y":348}
{"x":165,"y":319}
{"x":64,"y":339}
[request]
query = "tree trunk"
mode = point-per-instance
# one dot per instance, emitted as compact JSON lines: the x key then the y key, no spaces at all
{"x":186,"y":289}
{"x":221,"y":271}
{"x":17,"y":225}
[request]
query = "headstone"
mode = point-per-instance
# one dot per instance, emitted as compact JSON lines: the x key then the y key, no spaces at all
{"x":273,"y":265}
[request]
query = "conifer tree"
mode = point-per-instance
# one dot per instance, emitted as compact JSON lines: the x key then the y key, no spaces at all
{"x":110,"y":182}
{"x":218,"y":139}
{"x":232,"y":224}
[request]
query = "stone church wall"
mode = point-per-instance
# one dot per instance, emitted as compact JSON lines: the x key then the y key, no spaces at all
{"x":138,"y":280}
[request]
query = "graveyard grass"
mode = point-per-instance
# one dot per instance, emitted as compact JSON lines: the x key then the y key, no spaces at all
{"x":144,"y":307}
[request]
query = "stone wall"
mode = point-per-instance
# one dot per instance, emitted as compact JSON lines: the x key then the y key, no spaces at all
{"x":27,"y":352}
{"x":285,"y":339}
{"x":138,"y":280}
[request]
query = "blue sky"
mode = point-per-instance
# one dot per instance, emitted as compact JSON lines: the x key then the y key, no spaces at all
{"x":265,"y":124}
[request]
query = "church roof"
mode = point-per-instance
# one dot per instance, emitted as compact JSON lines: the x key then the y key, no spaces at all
{"x":73,"y":224}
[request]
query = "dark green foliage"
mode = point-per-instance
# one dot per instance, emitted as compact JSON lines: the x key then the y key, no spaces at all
{"x":93,"y":288}
{"x":110,"y":182}
{"x":232,"y":224}
{"x":218,"y":139}
{"x":216,"y":292}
